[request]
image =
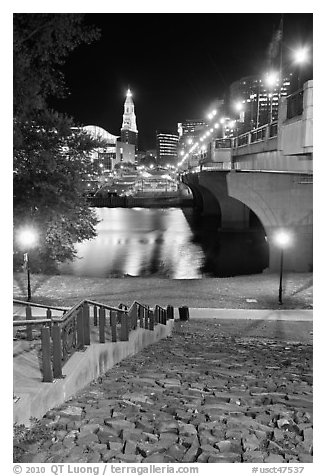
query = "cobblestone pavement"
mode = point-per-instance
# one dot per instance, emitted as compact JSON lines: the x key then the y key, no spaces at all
{"x":204,"y":395}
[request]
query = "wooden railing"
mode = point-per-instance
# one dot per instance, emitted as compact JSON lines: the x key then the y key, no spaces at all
{"x":61,"y":337}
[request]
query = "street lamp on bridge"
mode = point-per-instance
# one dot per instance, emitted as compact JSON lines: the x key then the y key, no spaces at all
{"x":27,"y":238}
{"x":282,"y":240}
{"x":271,"y":81}
{"x":300,"y":57}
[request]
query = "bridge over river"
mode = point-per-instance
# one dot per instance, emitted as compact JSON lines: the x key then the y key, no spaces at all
{"x":264,"y":178}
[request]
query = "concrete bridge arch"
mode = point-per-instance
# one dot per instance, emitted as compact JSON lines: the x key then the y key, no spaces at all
{"x":281,"y":201}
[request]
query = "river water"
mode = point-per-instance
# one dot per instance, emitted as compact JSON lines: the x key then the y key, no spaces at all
{"x":167,"y":242}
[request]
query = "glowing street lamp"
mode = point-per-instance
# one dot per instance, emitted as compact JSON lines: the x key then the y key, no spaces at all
{"x":301,"y":55}
{"x":27,"y":239}
{"x":271,"y":81}
{"x":282,"y":239}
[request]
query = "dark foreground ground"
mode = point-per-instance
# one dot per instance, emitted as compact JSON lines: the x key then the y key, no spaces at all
{"x":229,"y":293}
{"x":215,"y":392}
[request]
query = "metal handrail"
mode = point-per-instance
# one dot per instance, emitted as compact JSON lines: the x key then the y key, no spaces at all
{"x":34,"y":304}
{"x":106,"y":306}
{"x":61,"y":337}
{"x":157,"y":305}
{"x":253,"y":130}
{"x":144,"y":306}
{"x":66,"y":316}
{"x":298,"y":91}
{"x":32,"y":321}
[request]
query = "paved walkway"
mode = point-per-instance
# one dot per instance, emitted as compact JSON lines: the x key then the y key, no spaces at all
{"x":216,"y":391}
{"x":261,"y":314}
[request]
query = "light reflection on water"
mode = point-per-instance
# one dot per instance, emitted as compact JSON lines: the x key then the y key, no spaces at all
{"x":139,"y":242}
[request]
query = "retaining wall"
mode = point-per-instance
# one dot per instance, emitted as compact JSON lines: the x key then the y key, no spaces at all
{"x":79,"y":371}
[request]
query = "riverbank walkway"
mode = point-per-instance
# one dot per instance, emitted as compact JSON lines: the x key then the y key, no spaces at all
{"x":217,"y":390}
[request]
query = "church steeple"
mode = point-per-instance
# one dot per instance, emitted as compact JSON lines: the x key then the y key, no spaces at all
{"x":129,"y":117}
{"x":129,"y":132}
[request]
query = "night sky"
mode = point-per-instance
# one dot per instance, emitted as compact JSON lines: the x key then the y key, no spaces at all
{"x":176,"y":64}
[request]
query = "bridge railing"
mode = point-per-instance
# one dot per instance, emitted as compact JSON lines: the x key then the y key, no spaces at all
{"x":260,"y":134}
{"x":294,"y":104}
{"x":60,"y":337}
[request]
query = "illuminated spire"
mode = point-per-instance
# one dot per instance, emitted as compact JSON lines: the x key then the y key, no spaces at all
{"x":129,"y":132}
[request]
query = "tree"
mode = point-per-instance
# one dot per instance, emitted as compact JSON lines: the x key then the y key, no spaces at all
{"x":41,"y":44}
{"x":51,"y":157}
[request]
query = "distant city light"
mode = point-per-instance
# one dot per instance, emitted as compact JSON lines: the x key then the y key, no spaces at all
{"x":238,"y":106}
{"x":212,"y":114}
{"x":271,"y":79}
{"x":216,"y":125}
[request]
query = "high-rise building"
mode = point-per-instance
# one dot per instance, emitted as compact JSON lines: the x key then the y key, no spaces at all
{"x":259,"y":99}
{"x":166,"y":145}
{"x":189,"y":131}
{"x":190,"y":126}
{"x":129,"y":132}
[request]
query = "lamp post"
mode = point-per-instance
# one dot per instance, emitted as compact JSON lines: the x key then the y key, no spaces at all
{"x":282,"y":239}
{"x":271,"y":81}
{"x":239,"y":108}
{"x":27,"y":238}
{"x":301,"y":57}
{"x":258,"y":104}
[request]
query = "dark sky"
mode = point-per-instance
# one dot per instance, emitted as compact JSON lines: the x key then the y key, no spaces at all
{"x":176,"y":64}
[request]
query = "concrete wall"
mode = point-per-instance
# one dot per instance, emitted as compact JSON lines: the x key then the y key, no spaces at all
{"x":296,"y":134}
{"x":291,"y":150}
{"x":124,"y":153}
{"x":280,"y":201}
{"x":274,"y":160}
{"x":215,"y":200}
{"x":220,"y":155}
{"x":83,"y":367}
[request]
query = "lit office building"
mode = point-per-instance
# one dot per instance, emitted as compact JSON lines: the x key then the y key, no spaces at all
{"x":190,"y":126}
{"x":189,"y":132}
{"x":259,"y":99}
{"x":166,"y":146}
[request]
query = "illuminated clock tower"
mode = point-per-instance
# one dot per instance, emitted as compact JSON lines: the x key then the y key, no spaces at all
{"x":129,"y":132}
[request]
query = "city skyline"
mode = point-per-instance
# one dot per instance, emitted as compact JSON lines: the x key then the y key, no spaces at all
{"x":192,"y":64}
